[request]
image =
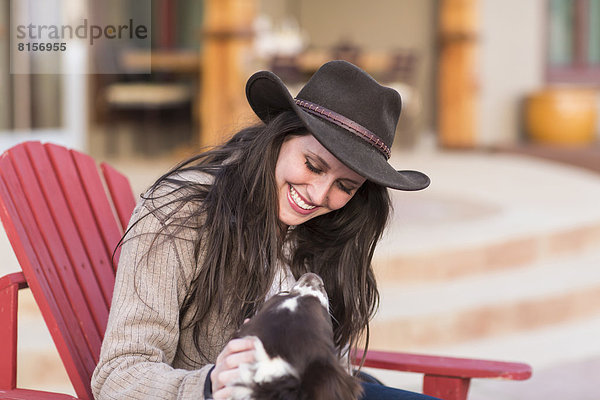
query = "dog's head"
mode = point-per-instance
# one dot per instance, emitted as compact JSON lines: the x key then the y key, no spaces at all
{"x":296,"y":357}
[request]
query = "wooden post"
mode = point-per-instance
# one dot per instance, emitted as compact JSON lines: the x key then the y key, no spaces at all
{"x":446,"y":387}
{"x":458,"y":88}
{"x":227,"y":40}
{"x":9,"y":302}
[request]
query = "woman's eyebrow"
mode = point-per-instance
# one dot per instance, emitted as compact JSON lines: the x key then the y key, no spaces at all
{"x":323,"y":163}
{"x":326,"y":167}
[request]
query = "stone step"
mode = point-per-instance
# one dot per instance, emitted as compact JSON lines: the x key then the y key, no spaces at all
{"x":485,"y":212}
{"x":565,"y":359}
{"x":490,"y":304}
{"x":445,"y":264}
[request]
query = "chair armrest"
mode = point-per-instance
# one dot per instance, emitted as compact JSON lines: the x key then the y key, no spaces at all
{"x":16,"y":278}
{"x":26,"y":394}
{"x":9,"y":289}
{"x":446,"y":366}
{"x":444,"y":377}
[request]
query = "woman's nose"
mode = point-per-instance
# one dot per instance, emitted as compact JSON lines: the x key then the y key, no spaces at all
{"x":318,"y":192}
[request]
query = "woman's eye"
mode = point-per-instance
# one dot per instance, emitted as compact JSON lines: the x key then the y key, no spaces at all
{"x":344,"y":188}
{"x":312,"y":168}
{"x":316,"y":170}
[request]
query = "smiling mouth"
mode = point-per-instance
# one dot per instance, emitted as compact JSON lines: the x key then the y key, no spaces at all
{"x":293,"y":194}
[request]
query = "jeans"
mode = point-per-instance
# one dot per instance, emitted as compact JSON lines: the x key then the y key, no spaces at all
{"x":373,"y":389}
{"x":376,"y":391}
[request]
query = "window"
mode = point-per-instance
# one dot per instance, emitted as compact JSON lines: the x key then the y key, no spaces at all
{"x":573,"y":50}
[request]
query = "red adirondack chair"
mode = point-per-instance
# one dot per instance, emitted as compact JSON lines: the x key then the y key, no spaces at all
{"x":63,"y":216}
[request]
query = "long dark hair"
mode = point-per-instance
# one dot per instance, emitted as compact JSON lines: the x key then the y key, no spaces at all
{"x":241,"y":238}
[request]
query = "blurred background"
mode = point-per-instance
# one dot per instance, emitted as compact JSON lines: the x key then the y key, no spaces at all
{"x":499,"y":258}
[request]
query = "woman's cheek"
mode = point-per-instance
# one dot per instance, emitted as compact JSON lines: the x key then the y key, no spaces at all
{"x":338,"y":201}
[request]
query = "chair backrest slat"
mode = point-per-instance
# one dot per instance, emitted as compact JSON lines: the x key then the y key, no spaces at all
{"x":96,"y":253}
{"x":28,"y":260}
{"x":40,"y":270}
{"x":59,"y":218}
{"x":121,"y":193}
{"x":101,"y":207}
{"x":59,"y":209}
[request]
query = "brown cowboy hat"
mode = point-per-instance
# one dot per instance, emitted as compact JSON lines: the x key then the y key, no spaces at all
{"x":349,"y":113}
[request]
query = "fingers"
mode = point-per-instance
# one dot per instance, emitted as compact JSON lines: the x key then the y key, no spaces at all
{"x":235,"y":353}
{"x":229,"y":376}
{"x":237,"y":345}
{"x":235,"y":359}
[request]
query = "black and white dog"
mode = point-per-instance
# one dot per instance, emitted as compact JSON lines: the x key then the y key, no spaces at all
{"x":296,"y":356}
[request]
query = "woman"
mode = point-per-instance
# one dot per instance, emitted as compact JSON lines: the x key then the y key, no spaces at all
{"x":225,"y":230}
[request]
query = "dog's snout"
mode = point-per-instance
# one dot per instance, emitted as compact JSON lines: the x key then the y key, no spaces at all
{"x":312,"y":280}
{"x":311,"y":284}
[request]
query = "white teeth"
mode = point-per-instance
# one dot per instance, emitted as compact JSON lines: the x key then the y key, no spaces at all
{"x":298,"y":200}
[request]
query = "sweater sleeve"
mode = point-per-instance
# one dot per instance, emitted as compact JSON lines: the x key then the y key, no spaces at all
{"x":143,"y":330}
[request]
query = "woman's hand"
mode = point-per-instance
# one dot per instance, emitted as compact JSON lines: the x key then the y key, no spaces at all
{"x":236,"y":352}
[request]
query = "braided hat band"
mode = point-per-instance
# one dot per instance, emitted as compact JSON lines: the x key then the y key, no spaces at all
{"x":347,"y":124}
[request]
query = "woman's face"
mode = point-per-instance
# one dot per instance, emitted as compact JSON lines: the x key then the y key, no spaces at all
{"x":311,"y":181}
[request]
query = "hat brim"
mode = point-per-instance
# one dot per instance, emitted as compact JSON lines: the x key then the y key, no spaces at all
{"x":268,"y":96}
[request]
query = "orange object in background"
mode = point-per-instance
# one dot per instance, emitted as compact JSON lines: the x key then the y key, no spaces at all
{"x":562,"y":115}
{"x":458,"y":86}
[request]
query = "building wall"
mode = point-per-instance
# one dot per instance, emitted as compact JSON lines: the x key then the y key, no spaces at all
{"x":511,"y":51}
{"x":379,"y":25}
{"x":511,"y":65}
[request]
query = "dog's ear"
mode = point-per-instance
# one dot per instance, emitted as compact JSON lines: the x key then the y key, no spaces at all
{"x":327,"y":380}
{"x":285,"y":388}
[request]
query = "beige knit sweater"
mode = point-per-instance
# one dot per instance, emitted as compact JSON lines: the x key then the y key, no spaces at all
{"x":145,"y":354}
